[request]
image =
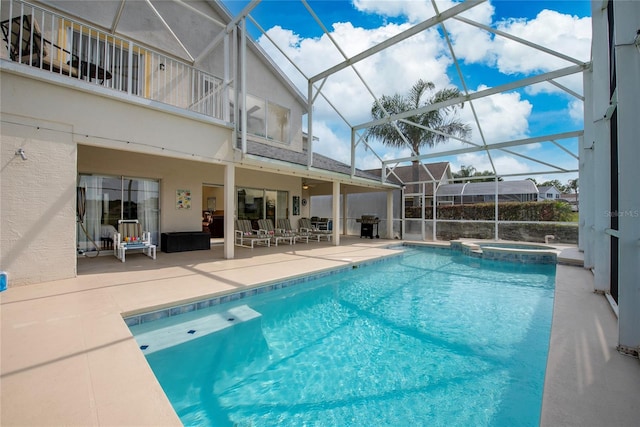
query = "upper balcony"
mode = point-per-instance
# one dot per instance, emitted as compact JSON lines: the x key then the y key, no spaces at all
{"x":40,"y":38}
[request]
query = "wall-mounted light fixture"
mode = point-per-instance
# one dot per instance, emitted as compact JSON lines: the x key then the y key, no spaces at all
{"x":161,"y":67}
{"x":20,"y":152}
{"x":305,"y":186}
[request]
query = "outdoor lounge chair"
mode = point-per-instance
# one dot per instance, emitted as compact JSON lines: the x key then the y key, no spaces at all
{"x":248,"y":237}
{"x":27,"y":45}
{"x":306,"y":226}
{"x":129,"y":237}
{"x":285,"y":225}
{"x":266,"y":226}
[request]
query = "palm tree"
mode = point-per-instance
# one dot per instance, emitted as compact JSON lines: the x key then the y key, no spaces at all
{"x":443,"y":120}
{"x":465,"y":172}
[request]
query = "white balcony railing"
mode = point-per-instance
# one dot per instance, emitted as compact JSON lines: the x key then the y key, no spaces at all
{"x":40,"y":38}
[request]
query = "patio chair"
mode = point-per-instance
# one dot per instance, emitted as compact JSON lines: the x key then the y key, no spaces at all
{"x":247,"y":237}
{"x":129,"y":237}
{"x":306,"y":226}
{"x":27,"y":45}
{"x":276,"y":236}
{"x":285,"y":225}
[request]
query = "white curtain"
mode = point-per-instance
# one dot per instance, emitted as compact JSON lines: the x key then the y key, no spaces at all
{"x":148,"y":212}
{"x":93,"y":212}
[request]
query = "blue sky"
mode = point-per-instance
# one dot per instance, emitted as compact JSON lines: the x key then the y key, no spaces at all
{"x":485,"y":61}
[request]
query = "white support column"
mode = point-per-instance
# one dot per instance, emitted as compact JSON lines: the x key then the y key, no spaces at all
{"x":423,"y":212}
{"x":230,"y":210}
{"x":602,"y":204}
{"x":345,"y":211}
{"x":496,"y":234}
{"x":434,"y":212}
{"x":627,"y":19}
{"x":243,"y":78}
{"x":389,"y":214}
{"x":335,"y":212}
{"x":586,"y":171}
{"x":598,"y":220}
{"x":310,"y":125}
{"x":402,"y":214}
{"x":226,"y":114}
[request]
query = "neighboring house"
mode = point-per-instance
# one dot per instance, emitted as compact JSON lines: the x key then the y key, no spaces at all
{"x":430,"y":176}
{"x":481,"y":192}
{"x":139,"y":112}
{"x":548,"y":192}
{"x":572,"y":199}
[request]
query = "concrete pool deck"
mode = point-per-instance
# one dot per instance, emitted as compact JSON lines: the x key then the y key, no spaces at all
{"x":67,"y":357}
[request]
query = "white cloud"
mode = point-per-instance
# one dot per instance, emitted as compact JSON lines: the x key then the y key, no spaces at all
{"x":330,"y":143}
{"x":414,"y":11}
{"x":563,"y":33}
{"x":503,"y":117}
{"x":576,"y":111}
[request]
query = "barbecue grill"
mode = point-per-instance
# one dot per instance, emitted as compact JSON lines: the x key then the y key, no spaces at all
{"x":367,"y":224}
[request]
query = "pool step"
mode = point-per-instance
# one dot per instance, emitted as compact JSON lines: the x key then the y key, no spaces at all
{"x":169,"y":336}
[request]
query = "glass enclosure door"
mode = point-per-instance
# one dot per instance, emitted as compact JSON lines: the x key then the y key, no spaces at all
{"x":255,"y":204}
{"x":108,"y":199}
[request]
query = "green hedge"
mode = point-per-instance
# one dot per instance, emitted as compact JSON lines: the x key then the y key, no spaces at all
{"x":508,"y":211}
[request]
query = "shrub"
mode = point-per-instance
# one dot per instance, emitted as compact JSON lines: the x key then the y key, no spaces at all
{"x":508,"y":211}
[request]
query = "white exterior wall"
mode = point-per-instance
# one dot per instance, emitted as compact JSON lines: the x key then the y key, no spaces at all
{"x":37,"y":200}
{"x":599,"y":174}
{"x":627,"y":19}
{"x":595,"y":173}
{"x":554,"y":194}
{"x":117,"y":122}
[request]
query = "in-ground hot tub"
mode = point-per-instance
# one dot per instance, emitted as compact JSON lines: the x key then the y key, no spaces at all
{"x":508,"y":251}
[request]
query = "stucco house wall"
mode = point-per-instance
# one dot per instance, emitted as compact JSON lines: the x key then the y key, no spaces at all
{"x":37,"y":199}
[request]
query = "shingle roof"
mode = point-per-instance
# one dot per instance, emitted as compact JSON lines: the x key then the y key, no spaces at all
{"x":300,"y":158}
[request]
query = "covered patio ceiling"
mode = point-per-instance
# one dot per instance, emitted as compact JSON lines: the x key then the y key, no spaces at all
{"x":169,"y":23}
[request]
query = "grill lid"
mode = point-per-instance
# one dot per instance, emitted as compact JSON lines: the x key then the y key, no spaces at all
{"x":368,"y":219}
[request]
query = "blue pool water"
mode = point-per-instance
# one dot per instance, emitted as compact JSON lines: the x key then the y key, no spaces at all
{"x":430,"y":338}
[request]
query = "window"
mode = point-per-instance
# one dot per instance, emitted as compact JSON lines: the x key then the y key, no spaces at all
{"x":265,"y":119}
{"x":256,"y":116}
{"x":109,"y":199}
{"x":277,"y":123}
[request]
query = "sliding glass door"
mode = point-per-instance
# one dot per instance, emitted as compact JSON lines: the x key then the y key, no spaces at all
{"x":107,"y":199}
{"x":255,"y":204}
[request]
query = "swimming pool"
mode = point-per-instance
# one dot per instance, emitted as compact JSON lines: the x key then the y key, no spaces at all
{"x":431,"y":337}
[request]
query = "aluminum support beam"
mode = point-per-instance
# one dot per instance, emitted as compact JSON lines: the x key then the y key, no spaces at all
{"x":229,"y":195}
{"x":477,"y":95}
{"x":459,"y":8}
